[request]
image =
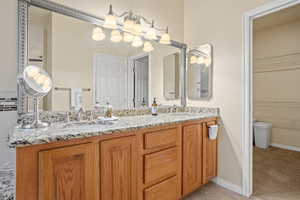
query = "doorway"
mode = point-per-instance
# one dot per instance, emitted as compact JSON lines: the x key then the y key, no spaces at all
{"x":248,"y":107}
{"x":141,"y":81}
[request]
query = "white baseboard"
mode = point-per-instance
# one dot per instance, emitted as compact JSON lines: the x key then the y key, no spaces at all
{"x":227,"y":185}
{"x":288,"y":147}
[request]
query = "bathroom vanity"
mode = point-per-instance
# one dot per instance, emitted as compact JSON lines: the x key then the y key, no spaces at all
{"x":140,"y":157}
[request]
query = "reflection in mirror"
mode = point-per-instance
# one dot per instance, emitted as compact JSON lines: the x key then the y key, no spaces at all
{"x":199,"y":80}
{"x":92,"y":65}
{"x":171,"y":76}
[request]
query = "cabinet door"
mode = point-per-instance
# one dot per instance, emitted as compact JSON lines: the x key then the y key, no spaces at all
{"x":119,"y":169}
{"x":69,"y":173}
{"x":209,"y":155}
{"x":192,"y":158}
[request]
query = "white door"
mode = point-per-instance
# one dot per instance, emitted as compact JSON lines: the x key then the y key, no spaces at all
{"x":111,"y":80}
{"x":141,"y":82}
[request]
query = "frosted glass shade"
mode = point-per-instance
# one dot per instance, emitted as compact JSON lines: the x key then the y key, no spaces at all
{"x":148,"y":47}
{"x":137,"y":41}
{"x":151,"y":34}
{"x":165,"y":39}
{"x":116,"y":36}
{"x":110,"y":22}
{"x":98,"y":34}
{"x":193,"y":59}
{"x":127,"y":37}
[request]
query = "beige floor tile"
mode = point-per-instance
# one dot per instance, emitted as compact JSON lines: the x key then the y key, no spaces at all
{"x":276,"y":176}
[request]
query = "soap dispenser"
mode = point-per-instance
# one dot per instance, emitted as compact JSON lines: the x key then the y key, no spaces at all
{"x":154,"y":107}
{"x":108,"y":112}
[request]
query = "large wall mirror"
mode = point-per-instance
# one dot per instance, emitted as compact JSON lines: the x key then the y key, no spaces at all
{"x":108,"y":70}
{"x":199,"y":72}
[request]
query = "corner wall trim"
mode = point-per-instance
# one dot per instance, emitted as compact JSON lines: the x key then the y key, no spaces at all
{"x":287,"y":147}
{"x":227,"y":185}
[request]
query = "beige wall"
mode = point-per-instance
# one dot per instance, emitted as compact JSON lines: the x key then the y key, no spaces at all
{"x":8,"y":47}
{"x":276,"y":77}
{"x":220,"y":23}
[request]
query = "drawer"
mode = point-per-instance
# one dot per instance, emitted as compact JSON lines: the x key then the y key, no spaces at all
{"x":160,"y":165}
{"x":166,"y":190}
{"x":161,"y":138}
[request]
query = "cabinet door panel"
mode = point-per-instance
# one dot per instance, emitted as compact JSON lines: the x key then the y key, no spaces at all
{"x":69,"y":173}
{"x":119,"y":169}
{"x":192,"y":158}
{"x":209,"y":155}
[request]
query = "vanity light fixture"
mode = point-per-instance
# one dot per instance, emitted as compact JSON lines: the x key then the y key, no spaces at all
{"x":148,"y":47}
{"x":98,"y":34}
{"x":116,"y":36}
{"x":165,"y":38}
{"x":110,"y":20}
{"x":137,"y":41}
{"x":127,"y":37}
{"x":151,"y":33}
{"x":134,"y":24}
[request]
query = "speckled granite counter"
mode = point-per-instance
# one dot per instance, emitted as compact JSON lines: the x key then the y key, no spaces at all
{"x":63,"y":131}
{"x":7,"y":180}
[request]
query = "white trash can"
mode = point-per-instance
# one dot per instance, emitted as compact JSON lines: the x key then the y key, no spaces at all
{"x":262,"y":134}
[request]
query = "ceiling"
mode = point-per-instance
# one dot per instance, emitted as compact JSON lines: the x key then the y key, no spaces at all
{"x":277,"y":18}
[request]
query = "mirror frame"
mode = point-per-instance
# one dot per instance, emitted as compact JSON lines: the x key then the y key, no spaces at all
{"x":23,"y":9}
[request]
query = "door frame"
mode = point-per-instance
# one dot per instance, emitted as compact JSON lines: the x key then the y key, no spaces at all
{"x":247,"y":113}
{"x":141,"y":55}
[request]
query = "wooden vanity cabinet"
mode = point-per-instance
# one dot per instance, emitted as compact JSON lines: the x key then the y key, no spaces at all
{"x":210,"y":154}
{"x":69,"y":173}
{"x":119,"y":169}
{"x":192,"y":158}
{"x":199,"y":156}
{"x":166,"y":162}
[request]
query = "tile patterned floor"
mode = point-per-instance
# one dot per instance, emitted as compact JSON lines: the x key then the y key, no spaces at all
{"x":276,"y":174}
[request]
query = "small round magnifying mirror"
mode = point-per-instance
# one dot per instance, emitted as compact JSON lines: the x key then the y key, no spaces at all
{"x":37,"y":83}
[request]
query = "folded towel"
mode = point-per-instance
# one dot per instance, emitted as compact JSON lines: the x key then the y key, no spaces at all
{"x":213,"y":132}
{"x":76,"y":98}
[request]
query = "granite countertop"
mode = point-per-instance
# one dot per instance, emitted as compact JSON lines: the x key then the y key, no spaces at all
{"x":62,"y":131}
{"x":7,"y":188}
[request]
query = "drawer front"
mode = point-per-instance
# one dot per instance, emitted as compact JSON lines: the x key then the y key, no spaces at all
{"x":166,"y":190}
{"x":161,"y":138}
{"x":160,"y":165}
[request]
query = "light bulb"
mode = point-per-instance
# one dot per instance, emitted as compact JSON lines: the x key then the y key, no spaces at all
{"x":41,"y":79}
{"x":115,"y":36}
{"x":200,"y":60}
{"x":137,"y":28}
{"x":127,"y":37}
{"x":151,"y":34}
{"x":193,"y":59}
{"x":148,"y":47}
{"x":32,"y":72}
{"x":47,"y":82}
{"x":207,"y":61}
{"x":98,"y":34}
{"x":110,"y":22}
{"x":128,"y":25}
{"x":137,"y":41}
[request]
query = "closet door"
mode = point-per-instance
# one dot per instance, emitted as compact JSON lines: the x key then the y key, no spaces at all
{"x":111,"y":80}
